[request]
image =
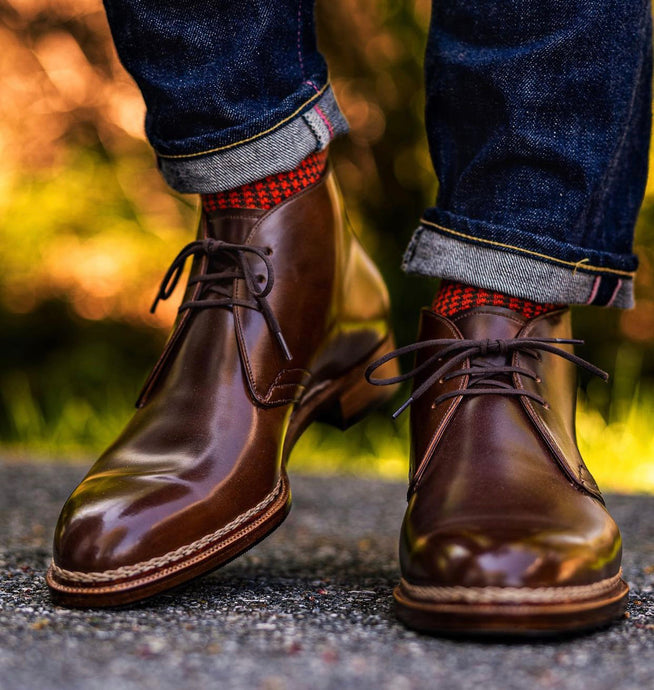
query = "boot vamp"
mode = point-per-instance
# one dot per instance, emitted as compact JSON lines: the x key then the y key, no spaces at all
{"x":494,"y":509}
{"x":193,"y":459}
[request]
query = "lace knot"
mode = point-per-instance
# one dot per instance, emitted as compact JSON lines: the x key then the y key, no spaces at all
{"x":484,"y":378}
{"x":213,"y":291}
{"x":490,"y":347}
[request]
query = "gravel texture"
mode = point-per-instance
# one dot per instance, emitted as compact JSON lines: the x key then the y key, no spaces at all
{"x":310,"y":607}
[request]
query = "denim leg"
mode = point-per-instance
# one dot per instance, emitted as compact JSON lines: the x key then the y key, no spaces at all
{"x":234,"y":90}
{"x":538,"y":119}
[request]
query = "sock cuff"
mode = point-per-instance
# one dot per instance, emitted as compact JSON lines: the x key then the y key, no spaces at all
{"x":271,"y":190}
{"x":454,"y":297}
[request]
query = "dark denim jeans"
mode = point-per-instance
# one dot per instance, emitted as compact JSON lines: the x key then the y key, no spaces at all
{"x":538,"y":120}
{"x":235,"y":89}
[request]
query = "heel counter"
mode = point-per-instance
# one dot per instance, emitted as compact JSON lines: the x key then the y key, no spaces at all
{"x":364,"y":293}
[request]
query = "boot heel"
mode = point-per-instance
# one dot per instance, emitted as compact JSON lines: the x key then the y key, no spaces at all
{"x":357,"y":397}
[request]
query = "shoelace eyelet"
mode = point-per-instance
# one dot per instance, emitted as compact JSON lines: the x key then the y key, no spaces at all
{"x":458,"y":351}
{"x":237,"y":253}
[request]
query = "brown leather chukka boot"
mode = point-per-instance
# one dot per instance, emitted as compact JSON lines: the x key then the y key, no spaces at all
{"x":505,"y":531}
{"x":282,"y":314}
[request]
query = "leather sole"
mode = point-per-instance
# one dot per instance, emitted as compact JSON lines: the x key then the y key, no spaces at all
{"x":341,"y":402}
{"x":511,"y":611}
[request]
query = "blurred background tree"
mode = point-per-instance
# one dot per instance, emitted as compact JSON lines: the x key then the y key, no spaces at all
{"x":87,"y":228}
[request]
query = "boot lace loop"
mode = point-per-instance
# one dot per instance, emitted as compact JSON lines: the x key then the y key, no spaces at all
{"x":483,"y":374}
{"x":218,"y":286}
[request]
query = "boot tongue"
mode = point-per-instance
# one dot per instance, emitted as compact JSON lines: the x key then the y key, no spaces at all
{"x":231,"y":225}
{"x":490,"y":323}
{"x":480,"y":323}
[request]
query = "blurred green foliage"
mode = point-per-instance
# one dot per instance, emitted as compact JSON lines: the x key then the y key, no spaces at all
{"x":87,"y":227}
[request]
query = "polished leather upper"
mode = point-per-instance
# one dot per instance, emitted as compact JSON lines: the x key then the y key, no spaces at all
{"x":207,"y":440}
{"x":499,"y":494}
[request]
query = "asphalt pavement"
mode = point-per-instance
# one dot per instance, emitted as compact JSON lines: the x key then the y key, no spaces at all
{"x":310,"y":607}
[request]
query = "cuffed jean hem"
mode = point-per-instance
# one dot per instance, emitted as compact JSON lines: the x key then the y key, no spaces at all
{"x":280,"y":148}
{"x":440,"y":252}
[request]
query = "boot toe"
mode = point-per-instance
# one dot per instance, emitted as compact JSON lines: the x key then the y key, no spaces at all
{"x":519,"y":556}
{"x":111,"y":522}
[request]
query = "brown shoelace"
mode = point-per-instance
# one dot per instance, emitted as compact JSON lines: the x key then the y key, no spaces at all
{"x":483,"y":375}
{"x":229,"y":262}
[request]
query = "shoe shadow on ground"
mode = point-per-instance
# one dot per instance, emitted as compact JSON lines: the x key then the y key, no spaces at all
{"x":328,"y":579}
{"x":264,"y":589}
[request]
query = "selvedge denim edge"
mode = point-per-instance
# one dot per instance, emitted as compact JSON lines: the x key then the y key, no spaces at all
{"x":538,"y":120}
{"x":439,"y":252}
{"x":281,"y":147}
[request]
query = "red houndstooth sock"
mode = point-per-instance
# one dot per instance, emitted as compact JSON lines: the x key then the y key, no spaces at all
{"x":453,"y":298}
{"x":272,"y":190}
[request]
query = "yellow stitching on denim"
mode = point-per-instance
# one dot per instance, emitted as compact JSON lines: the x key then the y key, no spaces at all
{"x":254,"y":136}
{"x":528,"y":251}
{"x":579,"y":264}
